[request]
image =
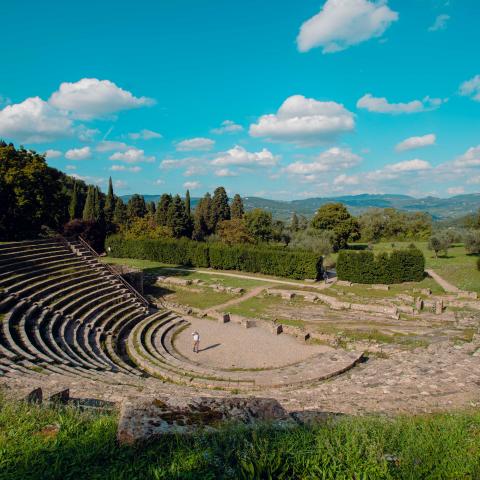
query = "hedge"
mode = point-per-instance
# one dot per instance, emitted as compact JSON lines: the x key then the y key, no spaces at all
{"x":282,"y":262}
{"x":399,"y":266}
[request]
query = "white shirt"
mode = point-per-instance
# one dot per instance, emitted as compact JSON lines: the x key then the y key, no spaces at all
{"x":196,"y":337}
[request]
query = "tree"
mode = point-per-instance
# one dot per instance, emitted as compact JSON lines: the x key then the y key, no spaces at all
{"x":74,"y":207}
{"x":162,"y":209}
{"x":109,"y":203}
{"x":280,"y":232}
{"x":187,"y":203}
{"x":120,"y":212}
{"x":259,"y":224}
{"x":472,"y":242}
{"x":202,"y":218}
{"x":177,"y":218}
{"x":439,"y":243}
{"x":89,"y":208}
{"x":136,"y":207}
{"x":236,"y":208}
{"x":98,"y":205}
{"x":146,"y":228}
{"x":318,"y":241}
{"x":294,"y":226}
{"x":32,"y":194}
{"x":336,"y":218}
{"x":220,"y":207}
{"x":151,"y":210}
{"x":234,"y":231}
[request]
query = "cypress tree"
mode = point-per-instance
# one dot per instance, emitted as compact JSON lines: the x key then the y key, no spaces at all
{"x":89,"y":208}
{"x":74,"y":206}
{"x":202,"y":218}
{"x":236,"y":208}
{"x":151,"y":209}
{"x":220,"y":207}
{"x":177,"y":218}
{"x":136,"y":207}
{"x":162,"y":209}
{"x":120,"y":212}
{"x":109,"y":203}
{"x":187,"y":203}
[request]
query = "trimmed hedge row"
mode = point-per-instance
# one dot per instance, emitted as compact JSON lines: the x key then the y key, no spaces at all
{"x":364,"y":267}
{"x":276,"y":261}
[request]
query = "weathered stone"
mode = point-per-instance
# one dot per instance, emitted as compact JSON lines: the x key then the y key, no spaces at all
{"x":63,"y":396}
{"x":344,"y":283}
{"x":144,"y":420}
{"x":380,"y":287}
{"x":277,"y":328}
{"x":439,"y":307}
{"x":223,"y":317}
{"x":465,"y":294}
{"x":35,"y":396}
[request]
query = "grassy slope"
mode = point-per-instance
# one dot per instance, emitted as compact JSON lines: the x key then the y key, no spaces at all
{"x":437,"y":446}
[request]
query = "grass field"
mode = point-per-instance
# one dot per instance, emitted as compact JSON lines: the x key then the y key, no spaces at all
{"x":443,"y":446}
{"x":457,"y":267}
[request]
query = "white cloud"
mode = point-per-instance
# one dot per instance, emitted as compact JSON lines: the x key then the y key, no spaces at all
{"x":332,"y":159}
{"x":227,"y":127}
{"x":90,"y":97}
{"x":304,"y":121}
{"x":346,"y":180}
{"x":198,"y":143}
{"x":51,"y":153}
{"x":471,"y":158}
{"x":225,"y":172}
{"x":455,"y":190}
{"x":471,"y":88}
{"x":240,"y":156}
{"x":78,"y":153}
{"x":159,"y":181}
{"x":382,"y":105}
{"x":120,"y":185}
{"x":108,"y":146}
{"x":191,"y":185}
{"x":343,"y":23}
{"x":132,"y":155}
{"x":71,"y":167}
{"x":123,"y":168}
{"x":440,"y":23}
{"x":144,"y":135}
{"x":416,"y":142}
{"x":34,"y":121}
{"x":415,"y":165}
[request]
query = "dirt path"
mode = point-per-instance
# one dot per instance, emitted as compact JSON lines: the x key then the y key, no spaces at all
{"x":319,"y":285}
{"x":252,"y":293}
{"x":448,"y":287}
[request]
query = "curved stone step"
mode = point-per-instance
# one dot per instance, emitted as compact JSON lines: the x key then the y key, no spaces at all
{"x":27,"y":256}
{"x":15,"y":264}
{"x":72,"y":302}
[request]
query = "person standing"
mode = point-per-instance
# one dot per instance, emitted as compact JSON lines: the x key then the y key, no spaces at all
{"x":196,"y":341}
{"x":325,"y":276}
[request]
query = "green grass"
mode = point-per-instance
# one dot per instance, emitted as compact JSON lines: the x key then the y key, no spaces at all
{"x":457,"y":267}
{"x":442,"y":446}
{"x":260,"y":306}
{"x":206,"y":298}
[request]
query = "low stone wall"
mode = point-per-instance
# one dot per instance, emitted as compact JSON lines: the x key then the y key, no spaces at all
{"x":134,"y":276}
{"x":148,"y":419}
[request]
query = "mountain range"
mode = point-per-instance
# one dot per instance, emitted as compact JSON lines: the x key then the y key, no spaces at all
{"x":438,"y":208}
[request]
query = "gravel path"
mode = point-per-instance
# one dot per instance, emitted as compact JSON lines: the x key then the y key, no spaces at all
{"x":448,"y":287}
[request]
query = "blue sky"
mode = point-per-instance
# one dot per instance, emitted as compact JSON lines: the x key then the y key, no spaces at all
{"x":280,"y":99}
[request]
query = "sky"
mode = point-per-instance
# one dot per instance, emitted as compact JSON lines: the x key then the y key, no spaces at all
{"x":273,"y":98}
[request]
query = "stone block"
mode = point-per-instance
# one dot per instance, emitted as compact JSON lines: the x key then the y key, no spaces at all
{"x":277,"y":328}
{"x":287,"y":295}
{"x":439,"y":307}
{"x":63,"y":396}
{"x":223,"y":317}
{"x":344,"y":283}
{"x":35,"y":396}
{"x":469,"y":295}
{"x":380,"y":287}
{"x":249,"y":323}
{"x":147,"y":419}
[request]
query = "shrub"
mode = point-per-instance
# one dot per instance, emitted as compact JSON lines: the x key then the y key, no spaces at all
{"x":269,"y":260}
{"x":472,"y":242}
{"x":364,"y":267}
{"x":91,"y":231}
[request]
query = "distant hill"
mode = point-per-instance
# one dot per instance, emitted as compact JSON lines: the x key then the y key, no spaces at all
{"x":439,"y":208}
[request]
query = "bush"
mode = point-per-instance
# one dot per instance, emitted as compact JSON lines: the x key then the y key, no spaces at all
{"x":472,"y":242}
{"x":364,"y":267}
{"x":92,"y":232}
{"x":268,"y":260}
